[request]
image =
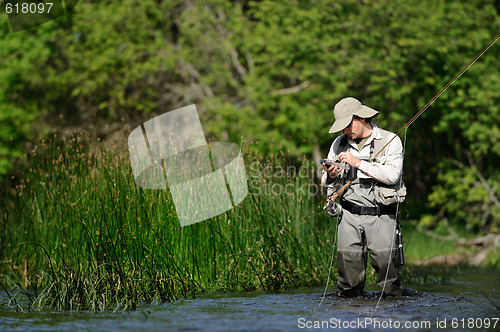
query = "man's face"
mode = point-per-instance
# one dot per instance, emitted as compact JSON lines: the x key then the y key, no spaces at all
{"x":354,"y":129}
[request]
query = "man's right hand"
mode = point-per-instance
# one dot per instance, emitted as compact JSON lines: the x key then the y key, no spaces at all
{"x":332,"y":170}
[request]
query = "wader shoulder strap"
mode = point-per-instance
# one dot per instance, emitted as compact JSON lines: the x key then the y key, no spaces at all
{"x":343,"y":145}
{"x":379,"y":144}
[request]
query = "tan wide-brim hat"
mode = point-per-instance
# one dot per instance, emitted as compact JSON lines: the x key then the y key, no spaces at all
{"x":345,"y":109}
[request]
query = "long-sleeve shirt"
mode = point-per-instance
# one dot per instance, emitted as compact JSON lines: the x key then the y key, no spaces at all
{"x":385,"y":168}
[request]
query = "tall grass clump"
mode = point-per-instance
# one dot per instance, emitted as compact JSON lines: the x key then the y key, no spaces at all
{"x":80,"y":233}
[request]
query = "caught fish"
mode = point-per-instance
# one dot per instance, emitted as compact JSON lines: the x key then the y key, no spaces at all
{"x":343,"y":166}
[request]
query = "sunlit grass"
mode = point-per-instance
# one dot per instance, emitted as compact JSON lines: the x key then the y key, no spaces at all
{"x":80,"y":233}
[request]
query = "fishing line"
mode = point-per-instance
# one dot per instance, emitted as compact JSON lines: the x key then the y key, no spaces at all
{"x":409,"y":123}
{"x":412,"y":120}
{"x":394,"y":234}
{"x":331,"y":264}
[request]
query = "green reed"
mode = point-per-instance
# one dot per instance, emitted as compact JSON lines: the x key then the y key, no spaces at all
{"x":77,"y":227}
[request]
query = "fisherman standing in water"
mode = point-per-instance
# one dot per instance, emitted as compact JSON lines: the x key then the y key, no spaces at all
{"x":368,"y":221}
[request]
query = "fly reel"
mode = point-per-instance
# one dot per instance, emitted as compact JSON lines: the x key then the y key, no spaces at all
{"x":334,"y":209}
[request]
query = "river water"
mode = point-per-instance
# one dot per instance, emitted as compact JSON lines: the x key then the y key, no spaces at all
{"x":469,"y":301}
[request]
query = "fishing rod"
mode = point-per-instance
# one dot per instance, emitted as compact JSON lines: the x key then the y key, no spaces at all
{"x":333,"y":208}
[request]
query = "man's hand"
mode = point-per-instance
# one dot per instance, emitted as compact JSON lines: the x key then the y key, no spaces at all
{"x":348,"y":158}
{"x":332,"y":170}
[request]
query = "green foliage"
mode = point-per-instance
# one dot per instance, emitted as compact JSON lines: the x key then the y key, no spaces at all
{"x":466,"y":196}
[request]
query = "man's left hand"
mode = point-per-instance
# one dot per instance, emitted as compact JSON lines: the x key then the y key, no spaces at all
{"x":347,"y":157}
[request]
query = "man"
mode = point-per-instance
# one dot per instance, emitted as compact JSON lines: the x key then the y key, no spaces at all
{"x":366,"y":224}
